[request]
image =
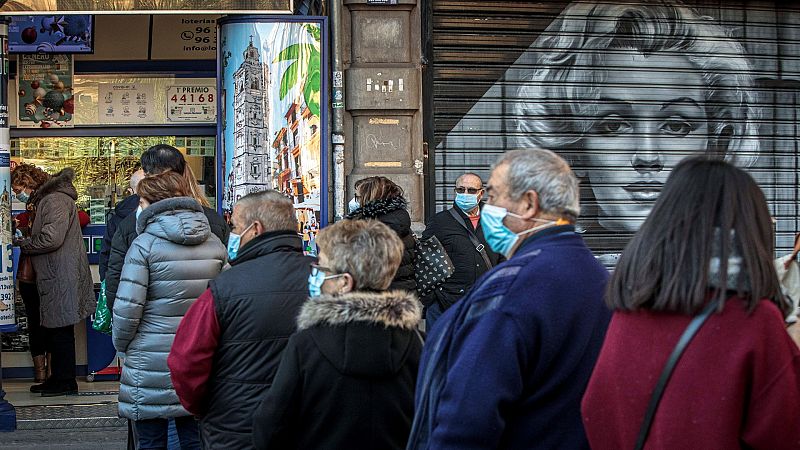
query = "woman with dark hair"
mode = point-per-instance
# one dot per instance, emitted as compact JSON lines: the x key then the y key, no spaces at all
{"x":63,"y":293}
{"x":157,"y":159}
{"x":707,"y":244}
{"x":381,"y":199}
{"x":167,"y":267}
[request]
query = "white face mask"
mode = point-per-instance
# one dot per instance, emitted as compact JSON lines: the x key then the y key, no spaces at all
{"x":353,"y":205}
{"x":138,"y":212}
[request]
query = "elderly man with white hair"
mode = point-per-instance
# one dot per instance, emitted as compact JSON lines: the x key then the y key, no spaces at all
{"x":509,"y":363}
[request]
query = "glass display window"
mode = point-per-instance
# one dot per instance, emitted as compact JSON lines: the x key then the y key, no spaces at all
{"x":103,"y":165}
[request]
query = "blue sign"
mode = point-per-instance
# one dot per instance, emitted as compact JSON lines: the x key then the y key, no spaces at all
{"x":51,"y":34}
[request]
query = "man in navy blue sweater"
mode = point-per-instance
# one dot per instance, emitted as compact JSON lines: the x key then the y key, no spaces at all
{"x":506,"y":367}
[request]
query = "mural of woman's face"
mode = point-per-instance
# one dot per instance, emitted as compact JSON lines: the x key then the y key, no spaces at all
{"x":650,"y":116}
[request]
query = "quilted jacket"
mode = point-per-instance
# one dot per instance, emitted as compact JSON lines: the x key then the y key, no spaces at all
{"x":167,"y":267}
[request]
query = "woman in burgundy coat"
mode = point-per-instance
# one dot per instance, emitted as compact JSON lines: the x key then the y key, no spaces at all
{"x":737,"y":384}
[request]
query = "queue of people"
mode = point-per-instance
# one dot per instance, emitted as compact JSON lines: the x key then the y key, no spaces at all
{"x":530,"y":344}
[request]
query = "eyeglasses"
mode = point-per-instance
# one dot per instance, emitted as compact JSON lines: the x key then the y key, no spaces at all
{"x":462,"y":189}
{"x":316,"y":269}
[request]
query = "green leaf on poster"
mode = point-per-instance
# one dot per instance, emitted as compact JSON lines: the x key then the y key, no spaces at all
{"x":311,"y":92}
{"x":289,"y":79}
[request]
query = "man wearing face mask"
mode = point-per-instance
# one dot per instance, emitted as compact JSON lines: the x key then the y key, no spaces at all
{"x":506,"y":366}
{"x":228,"y":345}
{"x":461,"y":234}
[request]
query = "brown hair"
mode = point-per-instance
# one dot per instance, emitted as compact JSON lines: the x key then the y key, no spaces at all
{"x":666,"y":266}
{"x":194,"y":188}
{"x":377,"y":188}
{"x":164,"y":185}
{"x":28,"y":176}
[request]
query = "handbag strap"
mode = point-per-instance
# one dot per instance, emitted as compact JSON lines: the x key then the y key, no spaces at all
{"x":658,"y":392}
{"x":471,"y":234}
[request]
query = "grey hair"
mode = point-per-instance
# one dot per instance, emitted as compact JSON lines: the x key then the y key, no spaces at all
{"x":366,"y":249}
{"x":136,"y":177}
{"x":468,"y":174}
{"x":272,"y":209}
{"x":546,"y":173}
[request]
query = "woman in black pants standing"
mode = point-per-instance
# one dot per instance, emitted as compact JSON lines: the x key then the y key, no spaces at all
{"x":63,"y":280}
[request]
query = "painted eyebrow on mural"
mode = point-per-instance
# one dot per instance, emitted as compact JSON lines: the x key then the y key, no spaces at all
{"x":686,"y":100}
{"x":628,"y":105}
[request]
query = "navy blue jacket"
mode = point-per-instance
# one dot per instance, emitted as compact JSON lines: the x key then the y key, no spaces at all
{"x":506,"y":367}
{"x":121,"y":211}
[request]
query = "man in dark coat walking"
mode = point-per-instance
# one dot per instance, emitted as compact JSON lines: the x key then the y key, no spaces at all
{"x":228,"y":345}
{"x":459,"y":230}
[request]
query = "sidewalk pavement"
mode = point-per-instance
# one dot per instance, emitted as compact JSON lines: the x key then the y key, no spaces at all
{"x":86,"y":421}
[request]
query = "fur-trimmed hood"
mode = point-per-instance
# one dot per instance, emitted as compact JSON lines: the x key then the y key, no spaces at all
{"x":378,"y":208}
{"x":389,"y":308}
{"x":363,"y":334}
{"x":60,"y":182}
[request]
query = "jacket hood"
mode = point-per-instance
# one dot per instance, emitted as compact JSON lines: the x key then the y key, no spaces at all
{"x":363,"y":333}
{"x":127,"y":206}
{"x":180,"y":220}
{"x":60,"y":182}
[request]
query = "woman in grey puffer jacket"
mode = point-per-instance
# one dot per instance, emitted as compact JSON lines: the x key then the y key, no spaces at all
{"x":166,"y":268}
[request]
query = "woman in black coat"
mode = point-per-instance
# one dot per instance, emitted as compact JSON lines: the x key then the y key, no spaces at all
{"x":347,"y":377}
{"x":381,"y":199}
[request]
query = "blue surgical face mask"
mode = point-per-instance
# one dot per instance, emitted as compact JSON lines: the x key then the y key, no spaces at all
{"x":315,"y":281}
{"x":23,"y":197}
{"x":498,"y":236}
{"x":138,"y":212}
{"x":234,"y":241}
{"x":353,"y":205}
{"x":466,"y":202}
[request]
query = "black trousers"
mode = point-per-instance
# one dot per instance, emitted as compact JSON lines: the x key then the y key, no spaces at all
{"x":37,"y":336}
{"x":61,"y":344}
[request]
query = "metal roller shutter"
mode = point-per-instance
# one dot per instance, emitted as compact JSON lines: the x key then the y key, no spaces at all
{"x":617,"y":90}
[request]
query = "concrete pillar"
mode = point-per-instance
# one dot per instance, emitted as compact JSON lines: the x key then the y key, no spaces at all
{"x":382,"y":72}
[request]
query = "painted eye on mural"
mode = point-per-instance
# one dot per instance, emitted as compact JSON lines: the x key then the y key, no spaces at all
{"x":677,"y":127}
{"x":612,"y":124}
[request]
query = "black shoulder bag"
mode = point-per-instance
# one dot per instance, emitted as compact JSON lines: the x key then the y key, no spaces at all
{"x":658,"y":392}
{"x":480,"y":248}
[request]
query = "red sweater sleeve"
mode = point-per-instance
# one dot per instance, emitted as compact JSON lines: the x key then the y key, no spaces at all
{"x":190,"y":360}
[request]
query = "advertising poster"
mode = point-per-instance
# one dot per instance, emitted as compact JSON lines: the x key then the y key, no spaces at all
{"x":192,"y":104}
{"x":50,"y":34}
{"x":7,"y":316}
{"x":45,"y":91}
{"x":271,"y":102}
{"x":624,"y":92}
{"x":127,"y":103}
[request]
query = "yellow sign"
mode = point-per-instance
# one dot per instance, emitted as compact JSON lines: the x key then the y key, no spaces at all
{"x":384,"y":164}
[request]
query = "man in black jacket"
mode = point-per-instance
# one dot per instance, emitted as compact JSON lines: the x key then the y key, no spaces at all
{"x":459,"y":230}
{"x":228,"y":346}
{"x":121,"y":211}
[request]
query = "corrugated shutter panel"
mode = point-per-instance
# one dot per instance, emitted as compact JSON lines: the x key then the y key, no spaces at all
{"x":486,"y":56}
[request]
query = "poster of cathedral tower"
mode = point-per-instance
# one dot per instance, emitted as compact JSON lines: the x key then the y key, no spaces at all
{"x":272,"y":132}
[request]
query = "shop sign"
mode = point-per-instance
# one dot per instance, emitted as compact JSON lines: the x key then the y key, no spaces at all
{"x":182,"y":36}
{"x":191,"y":104}
{"x":126,"y":103}
{"x":45,"y":91}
